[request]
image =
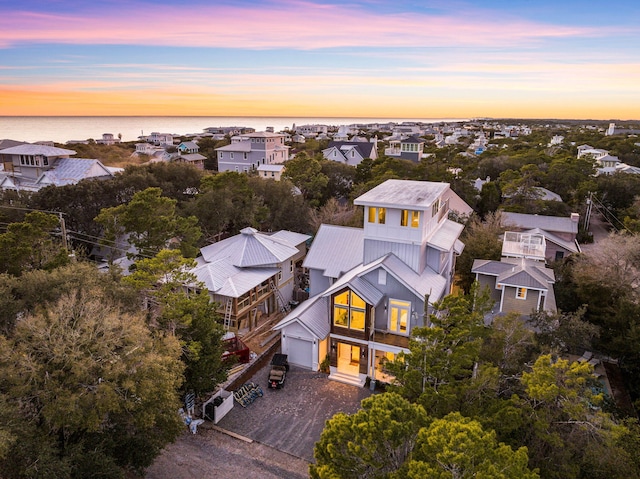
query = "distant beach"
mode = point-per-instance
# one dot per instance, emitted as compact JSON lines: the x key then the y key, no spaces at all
{"x":61,"y":129}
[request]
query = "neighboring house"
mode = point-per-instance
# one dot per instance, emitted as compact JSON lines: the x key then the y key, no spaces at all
{"x":193,"y":159}
{"x":31,"y":167}
{"x":351,"y":152}
{"x":556,"y":140}
{"x":187,"y":147}
{"x":311,"y":130}
{"x":247,"y":152}
{"x":270,"y":172}
{"x":370,"y":287}
{"x":160,"y":139}
{"x":560,"y":233}
{"x":108,"y":139}
{"x":252,"y":274}
{"x":229,"y":130}
{"x":520,"y":282}
{"x":607,"y":164}
{"x":408,"y":149}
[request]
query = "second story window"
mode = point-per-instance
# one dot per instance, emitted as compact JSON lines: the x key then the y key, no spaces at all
{"x":349,"y":310}
{"x":399,"y":316}
{"x":435,"y":208}
{"x":377,"y":215}
{"x":410,"y":218}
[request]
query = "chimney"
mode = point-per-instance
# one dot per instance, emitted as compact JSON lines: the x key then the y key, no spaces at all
{"x":575,"y":217}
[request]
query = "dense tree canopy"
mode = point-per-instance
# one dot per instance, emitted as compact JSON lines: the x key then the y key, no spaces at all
{"x":90,"y":389}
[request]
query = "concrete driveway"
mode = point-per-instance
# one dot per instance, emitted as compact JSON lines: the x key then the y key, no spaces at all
{"x":291,"y":419}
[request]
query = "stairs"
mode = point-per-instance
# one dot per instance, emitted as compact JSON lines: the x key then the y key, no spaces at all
{"x":347,"y":379}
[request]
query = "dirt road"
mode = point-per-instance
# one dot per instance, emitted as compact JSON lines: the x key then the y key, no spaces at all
{"x":213,"y":454}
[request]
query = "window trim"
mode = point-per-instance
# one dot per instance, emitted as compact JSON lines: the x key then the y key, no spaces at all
{"x":350,"y":310}
{"x":399,"y":305}
{"x":521,"y":293}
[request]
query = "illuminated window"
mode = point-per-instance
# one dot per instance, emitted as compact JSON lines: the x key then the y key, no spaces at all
{"x":377,"y":215}
{"x":415,"y":219}
{"x":408,"y":217}
{"x":399,"y":316}
{"x":521,"y":293}
{"x":349,"y":311}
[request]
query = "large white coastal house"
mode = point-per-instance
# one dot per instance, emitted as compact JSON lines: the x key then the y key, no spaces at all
{"x":248,"y":151}
{"x":371,"y":286}
{"x":30,"y":167}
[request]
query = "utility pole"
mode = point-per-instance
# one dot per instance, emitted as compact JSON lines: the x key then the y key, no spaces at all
{"x":587,"y":216}
{"x":63,"y":230}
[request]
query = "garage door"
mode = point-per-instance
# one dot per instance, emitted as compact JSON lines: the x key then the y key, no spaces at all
{"x":300,"y":352}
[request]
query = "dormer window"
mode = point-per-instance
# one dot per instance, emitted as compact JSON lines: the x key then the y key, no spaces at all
{"x":377,"y":215}
{"x":410,"y":218}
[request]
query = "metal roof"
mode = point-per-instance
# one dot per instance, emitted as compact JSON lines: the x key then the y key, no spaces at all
{"x":68,"y":171}
{"x":223,"y":278}
{"x":31,"y":149}
{"x":516,"y":272}
{"x":403,"y":193}
{"x":240,"y":146}
{"x":251,"y":248}
{"x":291,"y":237}
{"x":428,"y":282}
{"x":265,"y":167}
{"x":568,"y":245}
{"x":313,"y":314}
{"x":445,"y":237}
{"x":547,"y":223}
{"x":335,"y":250}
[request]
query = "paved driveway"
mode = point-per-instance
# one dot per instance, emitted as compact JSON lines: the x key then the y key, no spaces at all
{"x":291,"y":419}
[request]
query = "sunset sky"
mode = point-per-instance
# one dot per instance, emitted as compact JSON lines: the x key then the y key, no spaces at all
{"x":354,"y":58}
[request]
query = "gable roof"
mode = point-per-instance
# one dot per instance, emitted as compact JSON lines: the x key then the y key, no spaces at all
{"x":548,"y":223}
{"x":312,"y":314}
{"x":412,"y":139}
{"x":240,"y":146}
{"x":516,"y":272}
{"x":6,"y":143}
{"x":192,"y":157}
{"x":33,"y":149}
{"x":250,"y":249}
{"x":222,"y":277}
{"x":335,"y":250}
{"x":364,"y":149}
{"x":68,"y":171}
{"x":428,"y":282}
{"x":571,"y":246}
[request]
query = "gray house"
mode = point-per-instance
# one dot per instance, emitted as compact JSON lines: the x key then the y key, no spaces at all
{"x":407,"y":149}
{"x":371,"y":286}
{"x":248,"y":151}
{"x":351,"y":152}
{"x":560,"y":233}
{"x":30,"y":167}
{"x":520,"y":282}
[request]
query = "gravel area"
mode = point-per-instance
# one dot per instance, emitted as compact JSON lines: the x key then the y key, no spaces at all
{"x":279,"y":430}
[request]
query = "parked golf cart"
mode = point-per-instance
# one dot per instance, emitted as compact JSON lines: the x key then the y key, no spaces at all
{"x":278,"y":372}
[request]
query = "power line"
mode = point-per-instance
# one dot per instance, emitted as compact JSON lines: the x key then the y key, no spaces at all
{"x":32,"y":209}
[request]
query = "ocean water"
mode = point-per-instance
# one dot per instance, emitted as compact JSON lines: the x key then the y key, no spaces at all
{"x":61,"y":129}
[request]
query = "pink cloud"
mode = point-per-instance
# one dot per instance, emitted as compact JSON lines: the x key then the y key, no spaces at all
{"x":294,"y":24}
